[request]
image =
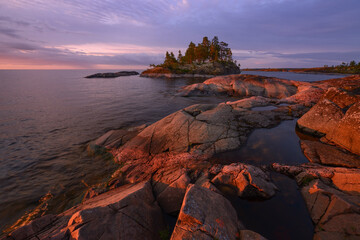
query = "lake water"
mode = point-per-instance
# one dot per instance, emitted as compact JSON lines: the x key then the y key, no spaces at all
{"x":48,"y":116}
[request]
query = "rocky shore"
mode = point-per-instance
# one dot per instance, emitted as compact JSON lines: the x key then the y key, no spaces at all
{"x":164,"y":169}
{"x":204,"y":70}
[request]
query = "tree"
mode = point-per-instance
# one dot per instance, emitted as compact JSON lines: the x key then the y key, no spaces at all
{"x":180,"y":57}
{"x":202,"y":52}
{"x":170,"y":60}
{"x":214,"y":49}
{"x":190,"y":53}
{"x":205,"y":48}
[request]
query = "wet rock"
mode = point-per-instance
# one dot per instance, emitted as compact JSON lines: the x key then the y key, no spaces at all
{"x":206,"y":215}
{"x":33,"y":228}
{"x":128,"y":212}
{"x":249,"y":181}
{"x":114,"y":138}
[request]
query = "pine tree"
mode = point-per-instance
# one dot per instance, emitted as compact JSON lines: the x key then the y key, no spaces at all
{"x":214,"y":49}
{"x":190,"y":53}
{"x":180,"y":57}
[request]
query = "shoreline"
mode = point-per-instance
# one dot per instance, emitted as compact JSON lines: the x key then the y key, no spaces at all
{"x":210,"y":114}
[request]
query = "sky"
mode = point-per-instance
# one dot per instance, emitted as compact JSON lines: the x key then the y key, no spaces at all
{"x":131,"y":34}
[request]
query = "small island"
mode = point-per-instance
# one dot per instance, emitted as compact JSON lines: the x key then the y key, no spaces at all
{"x":206,"y":59}
{"x":113,"y":75}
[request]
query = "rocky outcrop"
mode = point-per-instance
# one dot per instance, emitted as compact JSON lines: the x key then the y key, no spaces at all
{"x":132,"y":212}
{"x":202,"y":129}
{"x":242,"y":86}
{"x":332,"y":196}
{"x":164,"y":167}
{"x":336,"y":117}
{"x":128,"y":212}
{"x":206,"y":215}
{"x":113,"y":75}
{"x":249,"y":182}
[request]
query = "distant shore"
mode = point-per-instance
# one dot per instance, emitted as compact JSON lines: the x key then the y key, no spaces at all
{"x":318,"y":70}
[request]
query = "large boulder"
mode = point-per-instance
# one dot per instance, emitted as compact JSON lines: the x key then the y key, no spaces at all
{"x":337,"y":117}
{"x":247,"y":180}
{"x":205,"y":214}
{"x":128,"y":212}
{"x":347,"y":133}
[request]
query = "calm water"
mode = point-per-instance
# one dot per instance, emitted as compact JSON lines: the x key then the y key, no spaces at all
{"x":46,"y":118}
{"x":282,"y":216}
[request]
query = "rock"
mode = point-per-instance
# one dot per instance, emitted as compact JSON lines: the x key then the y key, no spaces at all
{"x":347,"y":180}
{"x":206,"y":129}
{"x":347,"y":133}
{"x":115,"y":138}
{"x":337,"y":117}
{"x":321,"y":119}
{"x":128,"y":212}
{"x":331,"y":211}
{"x":325,"y":154}
{"x":113,"y":75}
{"x":34,"y":227}
{"x":249,"y":181}
{"x":242,"y":85}
{"x":250,"y":235}
{"x":332,"y":198}
{"x":205,"y":214}
{"x":171,"y":198}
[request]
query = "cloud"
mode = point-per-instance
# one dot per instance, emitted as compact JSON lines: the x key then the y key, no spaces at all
{"x":100,"y":31}
{"x":9,"y":32}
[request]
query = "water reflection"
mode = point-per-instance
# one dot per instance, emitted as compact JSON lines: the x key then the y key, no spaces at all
{"x":282,"y":217}
{"x":265,"y":146}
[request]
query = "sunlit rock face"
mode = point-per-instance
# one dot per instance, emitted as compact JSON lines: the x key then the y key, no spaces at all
{"x":242,"y":86}
{"x":249,"y":181}
{"x":206,"y":214}
{"x":337,"y":117}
